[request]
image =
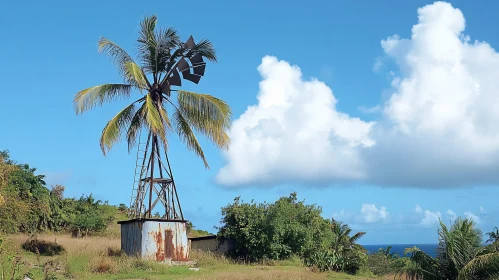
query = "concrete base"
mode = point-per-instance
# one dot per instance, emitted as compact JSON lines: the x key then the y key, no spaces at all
{"x":155,"y":239}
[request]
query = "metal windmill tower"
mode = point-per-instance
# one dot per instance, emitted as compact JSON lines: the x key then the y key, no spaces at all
{"x":154,"y":186}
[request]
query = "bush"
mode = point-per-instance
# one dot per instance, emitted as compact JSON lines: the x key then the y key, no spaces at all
{"x":113,"y":252}
{"x":105,"y":265}
{"x":381,"y":265}
{"x":43,"y":247}
{"x":275,"y":231}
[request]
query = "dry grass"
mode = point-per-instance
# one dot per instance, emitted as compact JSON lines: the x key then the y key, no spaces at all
{"x":101,"y":258}
{"x":90,"y":245}
{"x":268,"y":273}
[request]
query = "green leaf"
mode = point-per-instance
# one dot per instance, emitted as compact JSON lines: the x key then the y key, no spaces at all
{"x":113,"y":130}
{"x":207,"y":114}
{"x":187,"y":135}
{"x":204,"y":48}
{"x":135,"y":126}
{"x":153,"y":119}
{"x":135,"y":74}
{"x":97,"y":95}
{"x":119,"y":57}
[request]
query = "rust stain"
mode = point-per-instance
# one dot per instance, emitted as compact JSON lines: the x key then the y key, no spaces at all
{"x":158,"y":238}
{"x":169,"y":247}
{"x":180,"y":255}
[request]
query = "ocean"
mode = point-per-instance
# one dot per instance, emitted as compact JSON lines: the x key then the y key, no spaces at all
{"x":430,"y":249}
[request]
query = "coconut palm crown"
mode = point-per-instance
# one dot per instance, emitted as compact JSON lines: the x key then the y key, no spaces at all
{"x":160,"y":54}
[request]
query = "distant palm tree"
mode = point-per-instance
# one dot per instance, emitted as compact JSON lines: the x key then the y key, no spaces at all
{"x":493,"y":235}
{"x":342,"y":241}
{"x":387,"y":252}
{"x":460,"y":255}
{"x":160,"y":51}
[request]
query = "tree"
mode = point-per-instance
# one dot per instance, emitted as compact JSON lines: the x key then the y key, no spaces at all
{"x":387,"y":252}
{"x":346,"y":253}
{"x":493,"y":235}
{"x":160,"y":51}
{"x":460,"y":255}
{"x":342,"y":240}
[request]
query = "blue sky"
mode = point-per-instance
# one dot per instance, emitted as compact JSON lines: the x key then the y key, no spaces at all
{"x":387,"y":133}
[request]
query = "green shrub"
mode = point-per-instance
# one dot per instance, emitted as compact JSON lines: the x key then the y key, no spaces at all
{"x":380,"y":264}
{"x":274,"y":231}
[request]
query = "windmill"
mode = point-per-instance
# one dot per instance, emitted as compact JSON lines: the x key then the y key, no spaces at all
{"x":165,"y":62}
{"x":154,"y":184}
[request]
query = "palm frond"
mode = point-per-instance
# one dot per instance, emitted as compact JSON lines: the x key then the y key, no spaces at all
{"x":97,"y":95}
{"x":153,"y":118}
{"x":136,"y":125}
{"x":112,"y":131}
{"x":207,"y":114}
{"x":480,"y":266}
{"x":426,"y":266}
{"x":119,"y":57}
{"x":204,"y":48}
{"x":148,"y":45}
{"x":356,"y":236}
{"x":187,"y":135}
{"x":165,"y":120}
{"x":134,"y":73}
{"x":147,"y":26}
{"x":168,"y":40}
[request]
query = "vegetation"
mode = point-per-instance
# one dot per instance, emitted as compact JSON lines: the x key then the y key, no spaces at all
{"x":42,"y":247}
{"x":387,"y":253}
{"x":287,"y":228}
{"x":98,"y":257}
{"x":160,"y":51}
{"x":460,"y":255}
{"x":493,"y":235}
{"x":193,"y":232}
{"x":29,"y":207}
{"x":286,"y":239}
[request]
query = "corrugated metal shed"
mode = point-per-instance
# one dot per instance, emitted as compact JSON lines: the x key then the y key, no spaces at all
{"x":155,"y":239}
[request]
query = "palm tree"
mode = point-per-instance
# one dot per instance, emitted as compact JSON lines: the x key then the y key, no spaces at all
{"x":493,"y":235}
{"x":387,"y":252}
{"x":161,"y":55}
{"x":460,"y":255}
{"x":342,"y":241}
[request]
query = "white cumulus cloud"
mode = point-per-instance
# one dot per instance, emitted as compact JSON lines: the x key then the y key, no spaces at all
{"x":452,"y":215}
{"x":441,"y":120}
{"x":437,"y":129}
{"x":293,"y":133}
{"x":368,"y":214}
{"x":430,"y":218}
{"x":372,"y":214}
{"x":472,"y":216}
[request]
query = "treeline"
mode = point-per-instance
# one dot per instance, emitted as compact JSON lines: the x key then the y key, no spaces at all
{"x":289,"y":229}
{"x":28,"y":206}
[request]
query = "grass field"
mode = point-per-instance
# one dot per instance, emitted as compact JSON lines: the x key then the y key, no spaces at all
{"x":100,"y":258}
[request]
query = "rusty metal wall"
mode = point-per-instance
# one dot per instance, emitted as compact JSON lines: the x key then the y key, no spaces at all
{"x":131,"y":238}
{"x":161,"y":241}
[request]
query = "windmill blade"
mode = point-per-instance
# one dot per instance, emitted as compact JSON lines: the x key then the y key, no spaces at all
{"x":183,"y":66}
{"x":198,"y":64}
{"x":199,"y":69}
{"x":174,"y":79}
{"x":191,"y":77}
{"x":190,"y":43}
